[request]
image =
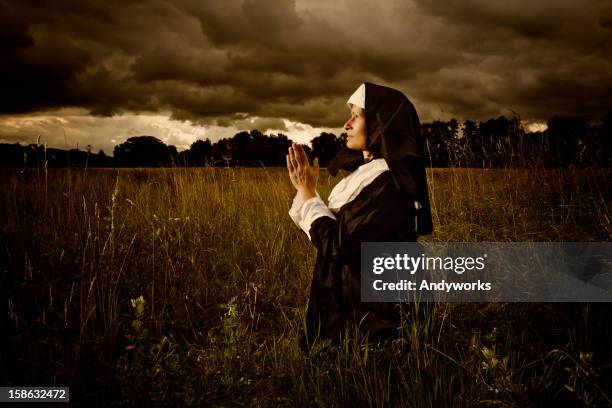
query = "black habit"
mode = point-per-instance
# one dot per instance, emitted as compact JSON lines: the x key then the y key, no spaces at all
{"x":390,"y":205}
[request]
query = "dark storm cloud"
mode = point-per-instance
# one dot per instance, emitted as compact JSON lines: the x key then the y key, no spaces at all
{"x":536,"y":58}
{"x":211,"y":61}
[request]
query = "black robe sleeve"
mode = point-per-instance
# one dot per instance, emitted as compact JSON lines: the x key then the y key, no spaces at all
{"x":380,"y":212}
{"x":377,"y":211}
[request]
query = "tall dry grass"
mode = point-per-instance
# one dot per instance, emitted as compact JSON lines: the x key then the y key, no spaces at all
{"x":189,"y":286}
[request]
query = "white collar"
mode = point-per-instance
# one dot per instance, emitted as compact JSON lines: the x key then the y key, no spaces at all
{"x":350,"y":186}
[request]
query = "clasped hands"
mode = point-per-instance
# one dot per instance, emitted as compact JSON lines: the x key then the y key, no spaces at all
{"x":303,"y":176}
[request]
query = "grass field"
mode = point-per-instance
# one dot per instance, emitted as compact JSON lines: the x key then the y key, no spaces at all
{"x":189,"y":286}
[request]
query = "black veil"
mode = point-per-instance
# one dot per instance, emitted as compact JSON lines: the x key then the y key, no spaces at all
{"x":394,"y":133}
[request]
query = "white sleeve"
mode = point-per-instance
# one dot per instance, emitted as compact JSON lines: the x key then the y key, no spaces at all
{"x":303,"y":213}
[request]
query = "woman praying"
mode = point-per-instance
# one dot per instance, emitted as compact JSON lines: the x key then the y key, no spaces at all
{"x":384,"y":198}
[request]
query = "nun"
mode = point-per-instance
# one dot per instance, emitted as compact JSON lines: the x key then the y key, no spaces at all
{"x":383,"y":198}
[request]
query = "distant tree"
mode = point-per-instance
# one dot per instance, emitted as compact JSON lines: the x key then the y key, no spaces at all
{"x":173,"y":156}
{"x":251,"y":149}
{"x":325,"y":146}
{"x":239,"y":145}
{"x":100,"y":160}
{"x":568,"y":138}
{"x":144,"y":151}
{"x":200,"y":152}
{"x":77,"y":158}
{"x":11,"y":155}
{"x":256,"y":136}
{"x":241,"y":140}
{"x":472,"y":149}
{"x":437,"y":137}
{"x":274,"y":150}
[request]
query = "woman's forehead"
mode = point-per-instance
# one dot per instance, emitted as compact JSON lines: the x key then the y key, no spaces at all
{"x":356,"y":109}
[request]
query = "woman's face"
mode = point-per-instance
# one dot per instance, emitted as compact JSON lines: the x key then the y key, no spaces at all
{"x":356,"y":133}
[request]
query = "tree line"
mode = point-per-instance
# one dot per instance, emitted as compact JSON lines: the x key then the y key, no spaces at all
{"x":495,"y":143}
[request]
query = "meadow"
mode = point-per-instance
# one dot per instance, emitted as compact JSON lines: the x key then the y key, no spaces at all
{"x":188,"y":286}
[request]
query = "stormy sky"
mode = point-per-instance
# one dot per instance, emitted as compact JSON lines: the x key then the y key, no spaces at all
{"x":96,"y":72}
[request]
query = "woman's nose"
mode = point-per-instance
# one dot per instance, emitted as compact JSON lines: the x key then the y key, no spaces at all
{"x":347,"y":124}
